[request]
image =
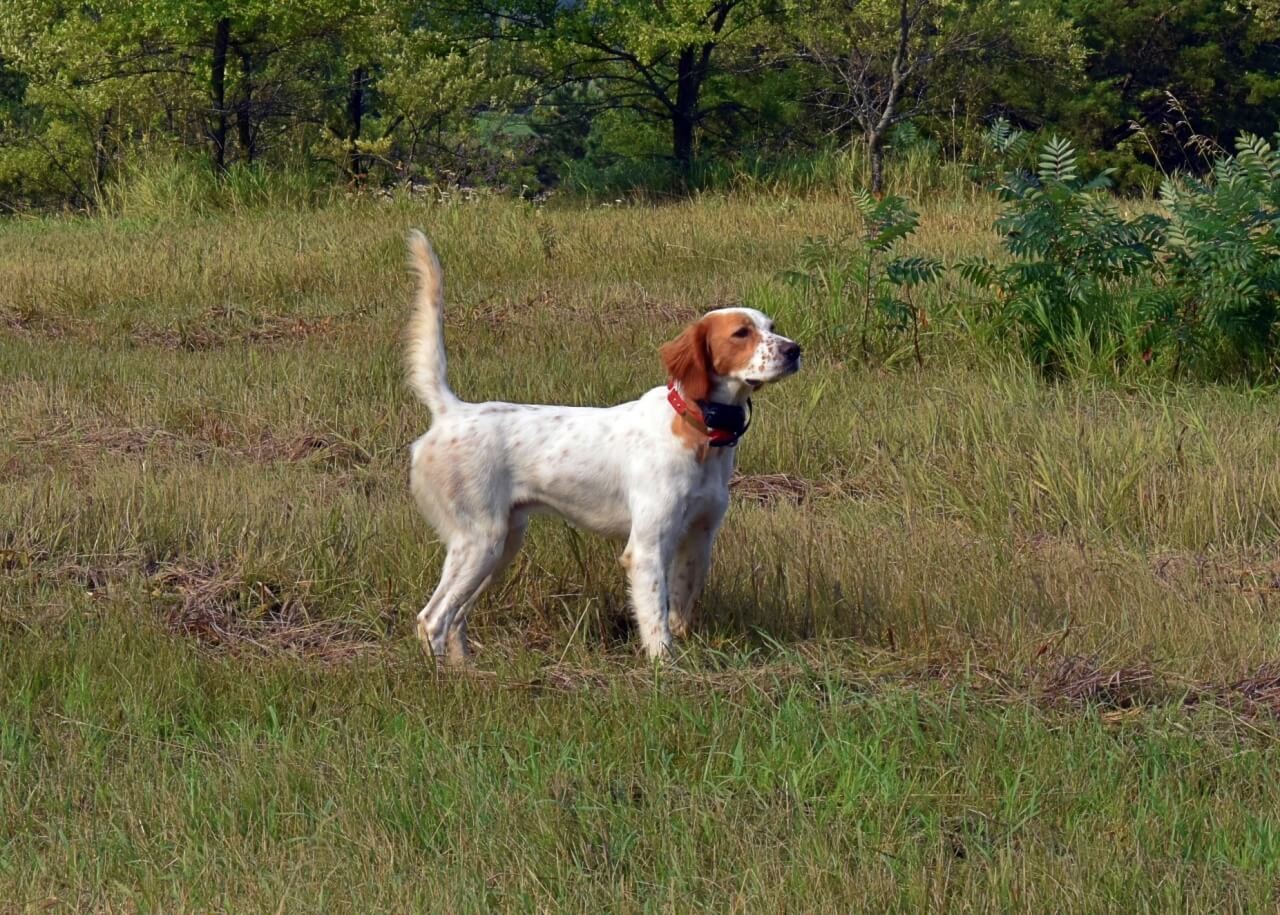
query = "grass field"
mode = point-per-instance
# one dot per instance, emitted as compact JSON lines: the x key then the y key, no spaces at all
{"x":971,"y":641}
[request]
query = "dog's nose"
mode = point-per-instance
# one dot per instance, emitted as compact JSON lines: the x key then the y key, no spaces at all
{"x":791,"y":351}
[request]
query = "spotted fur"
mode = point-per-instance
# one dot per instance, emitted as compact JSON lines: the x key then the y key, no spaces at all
{"x":633,"y":471}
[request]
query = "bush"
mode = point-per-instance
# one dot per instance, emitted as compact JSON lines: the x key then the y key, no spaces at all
{"x":1087,"y":289}
{"x":1073,"y":288}
{"x":858,"y":286}
{"x":1219,"y":285}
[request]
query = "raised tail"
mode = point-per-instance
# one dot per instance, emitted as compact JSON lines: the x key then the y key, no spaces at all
{"x":424,"y":356}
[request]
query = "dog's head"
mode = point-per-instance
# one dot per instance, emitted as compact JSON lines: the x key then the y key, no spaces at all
{"x":729,"y":351}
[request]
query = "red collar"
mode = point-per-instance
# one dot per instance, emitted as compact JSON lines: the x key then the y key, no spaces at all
{"x":719,"y":438}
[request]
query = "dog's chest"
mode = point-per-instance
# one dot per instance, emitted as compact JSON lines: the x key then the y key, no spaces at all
{"x":709,"y":484}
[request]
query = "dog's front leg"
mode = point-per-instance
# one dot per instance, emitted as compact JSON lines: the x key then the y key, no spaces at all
{"x":647,"y":560}
{"x":689,"y":571}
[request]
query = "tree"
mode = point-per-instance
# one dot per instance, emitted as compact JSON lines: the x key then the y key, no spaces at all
{"x":119,"y":75}
{"x":879,"y":62}
{"x":654,"y":58}
{"x":1191,"y":75}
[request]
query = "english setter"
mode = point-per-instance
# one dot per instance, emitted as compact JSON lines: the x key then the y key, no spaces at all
{"x":654,"y":471}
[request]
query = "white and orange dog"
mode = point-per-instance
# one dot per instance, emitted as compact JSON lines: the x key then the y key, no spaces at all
{"x":654,"y":471}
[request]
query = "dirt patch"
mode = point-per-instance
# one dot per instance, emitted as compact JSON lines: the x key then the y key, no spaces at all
{"x":1081,"y":680}
{"x":102,"y":436}
{"x":92,"y":571}
{"x":209,"y":330}
{"x":214,"y":437}
{"x":220,"y":609}
{"x":1255,"y":694}
{"x":29,"y":322}
{"x":772,"y":488}
{"x":215,"y":604}
{"x":126,"y":439}
{"x":267,"y":446}
{"x":1261,"y":689}
{"x":308,"y":446}
{"x":1256,"y":573}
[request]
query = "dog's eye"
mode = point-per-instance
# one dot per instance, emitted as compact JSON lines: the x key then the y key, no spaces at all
{"x":742,"y":332}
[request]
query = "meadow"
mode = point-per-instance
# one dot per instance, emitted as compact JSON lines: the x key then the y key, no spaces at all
{"x":973,"y":640}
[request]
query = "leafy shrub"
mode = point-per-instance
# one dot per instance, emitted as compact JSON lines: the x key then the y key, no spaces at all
{"x":857,"y":285}
{"x":1088,"y":289}
{"x":1219,"y":289}
{"x":1073,"y":287}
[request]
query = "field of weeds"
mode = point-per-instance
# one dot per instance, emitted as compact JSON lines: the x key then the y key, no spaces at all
{"x":972,"y":640}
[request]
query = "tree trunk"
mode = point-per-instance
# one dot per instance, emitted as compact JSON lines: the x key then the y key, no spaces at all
{"x":691,"y":72}
{"x":244,"y":106}
{"x":875,"y":153}
{"x":355,"y":114}
{"x":218,"y":93}
{"x":683,"y":117}
{"x":101,"y":154}
{"x":899,"y":68}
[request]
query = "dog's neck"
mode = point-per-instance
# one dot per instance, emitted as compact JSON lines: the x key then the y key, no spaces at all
{"x":726,"y":391}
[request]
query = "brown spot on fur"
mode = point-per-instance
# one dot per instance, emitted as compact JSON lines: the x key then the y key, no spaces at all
{"x":708,"y":346}
{"x":688,"y":361}
{"x":697,"y":442}
{"x":729,"y":353}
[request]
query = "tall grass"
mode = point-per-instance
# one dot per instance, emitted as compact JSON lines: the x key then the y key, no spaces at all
{"x":160,"y":187}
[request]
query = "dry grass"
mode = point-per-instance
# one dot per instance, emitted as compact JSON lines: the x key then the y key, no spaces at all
{"x":767,"y":488}
{"x":222,"y":610}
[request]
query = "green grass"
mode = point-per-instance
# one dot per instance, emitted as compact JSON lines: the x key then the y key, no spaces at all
{"x":210,"y":696}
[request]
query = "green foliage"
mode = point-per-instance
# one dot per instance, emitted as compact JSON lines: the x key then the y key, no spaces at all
{"x":860,"y":285}
{"x":1005,"y":139}
{"x":1073,"y":287}
{"x":116,"y":84}
{"x":1088,"y":288}
{"x":615,"y":96}
{"x":1190,"y":76}
{"x":1219,"y":288}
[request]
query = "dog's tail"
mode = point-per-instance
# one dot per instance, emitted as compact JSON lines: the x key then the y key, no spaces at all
{"x":424,"y":356}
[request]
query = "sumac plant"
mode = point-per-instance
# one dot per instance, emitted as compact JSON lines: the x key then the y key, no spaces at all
{"x":859,"y":287}
{"x":1190,"y":288}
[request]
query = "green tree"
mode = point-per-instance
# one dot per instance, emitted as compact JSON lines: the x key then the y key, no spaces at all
{"x":881,"y":62}
{"x":655,"y":59}
{"x":450,"y":93}
{"x":1191,"y":75}
{"x":119,"y":76}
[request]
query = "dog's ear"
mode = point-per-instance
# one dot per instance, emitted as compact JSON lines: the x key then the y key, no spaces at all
{"x":688,"y":362}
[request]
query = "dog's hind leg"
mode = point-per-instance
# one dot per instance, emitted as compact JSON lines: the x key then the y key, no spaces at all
{"x":468,"y":567}
{"x":457,"y":640}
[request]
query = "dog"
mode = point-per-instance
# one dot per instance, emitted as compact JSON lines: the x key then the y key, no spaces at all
{"x":653,"y":471}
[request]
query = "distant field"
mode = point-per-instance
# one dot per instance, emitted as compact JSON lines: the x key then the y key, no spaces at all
{"x":971,"y":640}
